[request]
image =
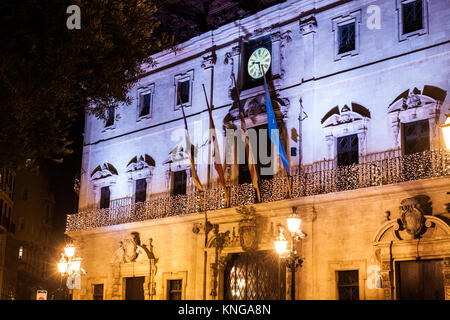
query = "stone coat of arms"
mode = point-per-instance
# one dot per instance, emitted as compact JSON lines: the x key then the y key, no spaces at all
{"x":412,"y":217}
{"x":248,"y":231}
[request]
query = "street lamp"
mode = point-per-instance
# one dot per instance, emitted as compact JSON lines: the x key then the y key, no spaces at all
{"x":292,"y":260}
{"x":446,"y":131}
{"x":69,"y":264}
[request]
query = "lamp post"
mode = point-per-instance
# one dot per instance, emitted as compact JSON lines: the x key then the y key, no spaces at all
{"x":69,"y":264}
{"x":446,"y":131}
{"x":292,"y":260}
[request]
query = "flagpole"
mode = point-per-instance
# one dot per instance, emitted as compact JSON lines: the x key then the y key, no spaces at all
{"x":218,"y":166}
{"x":247,"y":141}
{"x":268,"y":97}
{"x":190,"y":150}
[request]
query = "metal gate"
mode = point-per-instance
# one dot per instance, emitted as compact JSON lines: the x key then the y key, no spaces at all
{"x":256,"y":275}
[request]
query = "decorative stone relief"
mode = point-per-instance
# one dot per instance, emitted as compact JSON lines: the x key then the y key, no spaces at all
{"x":308,"y":25}
{"x":231,"y":58}
{"x":413,"y":106}
{"x":133,"y":259}
{"x":415,"y":235}
{"x":248,"y":231}
{"x":140,"y":167}
{"x":279,"y":42}
{"x":209,"y":60}
{"x":345,"y":121}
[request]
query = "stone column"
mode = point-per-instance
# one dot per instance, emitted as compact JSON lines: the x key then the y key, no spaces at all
{"x":308,"y":28}
{"x":446,"y":276}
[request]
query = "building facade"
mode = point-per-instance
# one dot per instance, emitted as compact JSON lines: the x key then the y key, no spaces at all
{"x":35,"y":234}
{"x":8,"y":242}
{"x":359,"y":90}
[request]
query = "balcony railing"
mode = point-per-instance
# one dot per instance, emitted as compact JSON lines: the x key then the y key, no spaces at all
{"x":319,"y":178}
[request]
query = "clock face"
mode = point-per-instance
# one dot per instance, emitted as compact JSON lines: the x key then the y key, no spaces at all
{"x":260,"y":58}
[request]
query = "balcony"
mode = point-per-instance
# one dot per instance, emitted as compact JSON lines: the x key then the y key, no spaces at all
{"x":319,"y":178}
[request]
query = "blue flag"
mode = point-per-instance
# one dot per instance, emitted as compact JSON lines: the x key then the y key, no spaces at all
{"x":272,"y":125}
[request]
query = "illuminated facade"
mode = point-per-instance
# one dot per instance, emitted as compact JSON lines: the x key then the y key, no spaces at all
{"x":359,"y":91}
{"x":8,"y":242}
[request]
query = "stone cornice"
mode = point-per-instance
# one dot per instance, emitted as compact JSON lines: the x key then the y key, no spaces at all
{"x":268,"y":19}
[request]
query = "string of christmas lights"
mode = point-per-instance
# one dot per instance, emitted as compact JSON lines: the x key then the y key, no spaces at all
{"x":305,"y":182}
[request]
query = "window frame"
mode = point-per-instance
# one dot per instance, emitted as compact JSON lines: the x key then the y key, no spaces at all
{"x":173,"y":183}
{"x":182,"y":77}
{"x":100,"y":200}
{"x":403,"y":134}
{"x":419,"y":32}
{"x":93,"y":291}
{"x":169,"y":291}
{"x":353,"y":17}
{"x":353,"y":285}
{"x":141,"y":92}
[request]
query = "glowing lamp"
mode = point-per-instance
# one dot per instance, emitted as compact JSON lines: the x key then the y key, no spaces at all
{"x":281,"y":244}
{"x":76,"y":265}
{"x":62,"y":266}
{"x":446,"y":131}
{"x":293,"y":223}
{"x":69,"y":250}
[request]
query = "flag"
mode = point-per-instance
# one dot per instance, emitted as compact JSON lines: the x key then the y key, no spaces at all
{"x":190,"y":151}
{"x":272,"y":125}
{"x":217,"y":164}
{"x":248,"y":150}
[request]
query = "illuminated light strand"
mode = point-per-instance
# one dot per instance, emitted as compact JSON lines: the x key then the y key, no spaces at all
{"x":305,"y":182}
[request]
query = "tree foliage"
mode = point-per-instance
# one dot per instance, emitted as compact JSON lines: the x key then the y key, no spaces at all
{"x":50,"y":74}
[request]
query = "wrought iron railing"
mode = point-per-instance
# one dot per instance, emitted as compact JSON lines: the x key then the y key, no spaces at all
{"x":318,"y":178}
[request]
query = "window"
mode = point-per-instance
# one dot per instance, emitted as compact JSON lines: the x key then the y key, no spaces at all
{"x":412,"y":14}
{"x":110,"y":117}
{"x":20,"y":252}
{"x":183,"y":89}
{"x":412,"y":17}
{"x":416,"y":136}
{"x":348,"y":285}
{"x":141,"y":191}
{"x":174,"y":288}
{"x":179,"y":182}
{"x":346,"y":36}
{"x":104,"y":197}
{"x":262,"y":137}
{"x":347,"y":150}
{"x":22,"y":224}
{"x":144,"y":104}
{"x":183,"y":92}
{"x":98,"y":291}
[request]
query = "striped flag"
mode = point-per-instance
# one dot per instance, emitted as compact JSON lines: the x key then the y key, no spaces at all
{"x":272,"y":125}
{"x":216,"y":157}
{"x":190,"y":150}
{"x":248,"y":150}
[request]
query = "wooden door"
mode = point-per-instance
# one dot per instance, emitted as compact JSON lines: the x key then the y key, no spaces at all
{"x":134,"y":288}
{"x":420,"y":280}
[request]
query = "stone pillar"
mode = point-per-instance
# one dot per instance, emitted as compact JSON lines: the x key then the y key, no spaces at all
{"x":116,"y":285}
{"x":308,"y":28}
{"x":446,"y":276}
{"x":386,"y":279}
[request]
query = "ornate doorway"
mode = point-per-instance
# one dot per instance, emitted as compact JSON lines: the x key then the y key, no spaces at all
{"x":255,"y":275}
{"x":420,"y":280}
{"x":134,"y":288}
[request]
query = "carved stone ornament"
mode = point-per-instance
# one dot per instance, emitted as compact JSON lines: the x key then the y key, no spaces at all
{"x":248,"y":231}
{"x":130,"y":250}
{"x":412,"y":216}
{"x":103,"y":171}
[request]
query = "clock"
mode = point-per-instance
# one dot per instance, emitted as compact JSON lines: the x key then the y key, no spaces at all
{"x":259,"y":59}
